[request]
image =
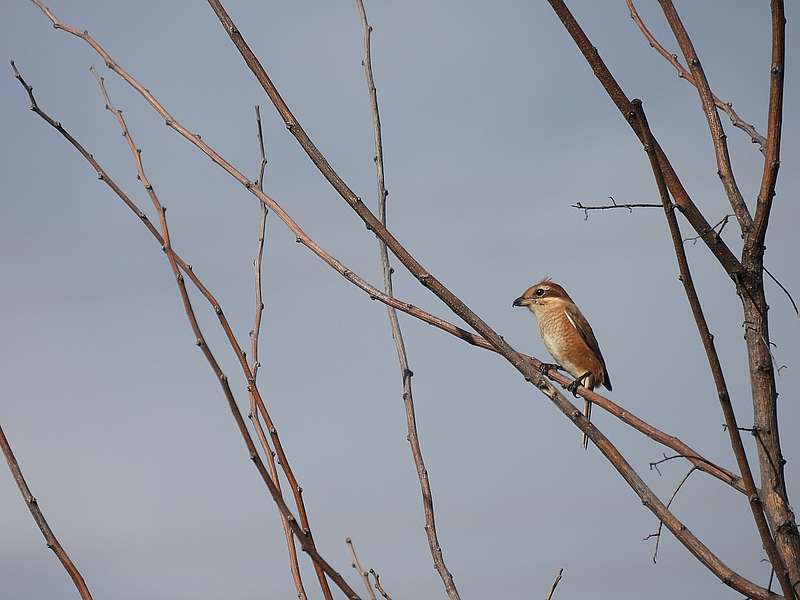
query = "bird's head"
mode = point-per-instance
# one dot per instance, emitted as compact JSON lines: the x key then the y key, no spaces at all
{"x":543,"y":295}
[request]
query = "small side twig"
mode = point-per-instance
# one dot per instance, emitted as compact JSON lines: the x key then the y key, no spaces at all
{"x":684,"y":74}
{"x":785,"y":291}
{"x":555,"y":584}
{"x":657,"y":534}
{"x":378,"y":585}
{"x":30,"y":499}
{"x":613,"y":205}
{"x":356,"y":564}
{"x":721,"y":224}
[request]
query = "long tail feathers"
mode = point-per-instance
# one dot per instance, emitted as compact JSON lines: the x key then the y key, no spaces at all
{"x":587,"y":412}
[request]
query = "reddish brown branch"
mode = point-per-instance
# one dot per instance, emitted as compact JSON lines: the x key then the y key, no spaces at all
{"x":718,"y":137}
{"x":713,"y":360}
{"x":302,"y":535}
{"x":397,"y":335}
{"x":685,"y":74}
{"x":252,"y":388}
{"x":690,"y":211}
{"x":695,"y":546}
{"x":291,"y":549}
{"x":772,"y":158}
{"x":462,"y":310}
{"x":30,"y":500}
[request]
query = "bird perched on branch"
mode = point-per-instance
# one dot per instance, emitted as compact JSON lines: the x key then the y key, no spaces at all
{"x":568,"y":338}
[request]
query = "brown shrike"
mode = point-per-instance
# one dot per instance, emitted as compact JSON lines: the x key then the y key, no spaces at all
{"x":568,"y":338}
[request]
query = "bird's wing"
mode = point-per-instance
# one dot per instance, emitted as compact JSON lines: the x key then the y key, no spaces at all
{"x":580,"y":323}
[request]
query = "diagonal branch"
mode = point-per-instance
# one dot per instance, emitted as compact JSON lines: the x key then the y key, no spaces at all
{"x":397,"y":335}
{"x":362,"y":572}
{"x":715,"y":244}
{"x":718,"y":137}
{"x":291,"y":549}
{"x":525,"y":367}
{"x":772,"y":159}
{"x":684,"y":73}
{"x":657,"y":534}
{"x":36,"y":512}
{"x":302,"y":535}
{"x":462,"y":310}
{"x":713,"y":360}
{"x":553,"y":587}
{"x":167,"y":246}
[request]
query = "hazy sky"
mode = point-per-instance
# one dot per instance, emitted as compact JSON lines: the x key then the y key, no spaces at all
{"x":493,"y":126}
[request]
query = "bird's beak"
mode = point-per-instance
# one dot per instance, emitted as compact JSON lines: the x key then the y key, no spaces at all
{"x":520,"y":302}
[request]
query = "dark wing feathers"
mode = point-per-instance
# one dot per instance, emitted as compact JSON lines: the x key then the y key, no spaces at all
{"x":583,"y":327}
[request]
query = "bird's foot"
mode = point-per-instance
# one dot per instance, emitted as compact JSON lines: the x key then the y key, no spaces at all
{"x":545,"y":368}
{"x":573,"y":387}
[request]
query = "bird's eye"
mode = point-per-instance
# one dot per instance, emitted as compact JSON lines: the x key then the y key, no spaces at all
{"x":540,"y":292}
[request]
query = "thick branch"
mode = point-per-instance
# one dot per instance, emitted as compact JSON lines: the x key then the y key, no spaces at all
{"x":713,"y":360}
{"x":684,"y":73}
{"x":718,"y":137}
{"x":33,"y":504}
{"x":397,"y":335}
{"x":696,"y":219}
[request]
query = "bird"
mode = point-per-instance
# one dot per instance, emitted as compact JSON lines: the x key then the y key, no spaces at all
{"x":568,"y":338}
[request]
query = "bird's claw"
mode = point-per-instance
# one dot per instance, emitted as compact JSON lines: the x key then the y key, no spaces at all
{"x":545,"y":368}
{"x":573,"y":387}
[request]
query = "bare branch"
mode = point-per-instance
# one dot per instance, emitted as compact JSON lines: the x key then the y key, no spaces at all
{"x":301,"y":534}
{"x":657,"y":534}
{"x":694,"y":545}
{"x":684,"y":73}
{"x":19,"y":478}
{"x":785,"y":291}
{"x":772,"y":160}
{"x":718,"y":137}
{"x":378,"y":585}
{"x":721,"y":224}
{"x":291,"y":549}
{"x":360,"y":570}
{"x":397,"y":335}
{"x":555,"y":585}
{"x":696,"y":219}
{"x":713,"y":359}
{"x":611,"y":206}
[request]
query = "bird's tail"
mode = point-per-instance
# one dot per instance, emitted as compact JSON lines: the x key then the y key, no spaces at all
{"x":587,"y":412}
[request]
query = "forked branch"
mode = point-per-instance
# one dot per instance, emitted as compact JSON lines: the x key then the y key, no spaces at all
{"x":713,"y":360}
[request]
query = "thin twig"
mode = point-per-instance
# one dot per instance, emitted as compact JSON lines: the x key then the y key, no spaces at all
{"x":301,"y":534}
{"x":294,"y":567}
{"x":378,"y":585}
{"x":397,"y":335}
{"x":519,"y":362}
{"x":252,"y":388}
{"x":33,"y":504}
{"x":360,"y":570}
{"x":657,"y":534}
{"x":555,"y":585}
{"x":718,"y":137}
{"x":684,"y":73}
{"x":713,"y":358}
{"x":721,"y":224}
{"x":785,"y":291}
{"x":611,"y":206}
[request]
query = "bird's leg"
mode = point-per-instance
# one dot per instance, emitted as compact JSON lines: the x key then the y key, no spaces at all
{"x":545,"y":368}
{"x":573,"y":387}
